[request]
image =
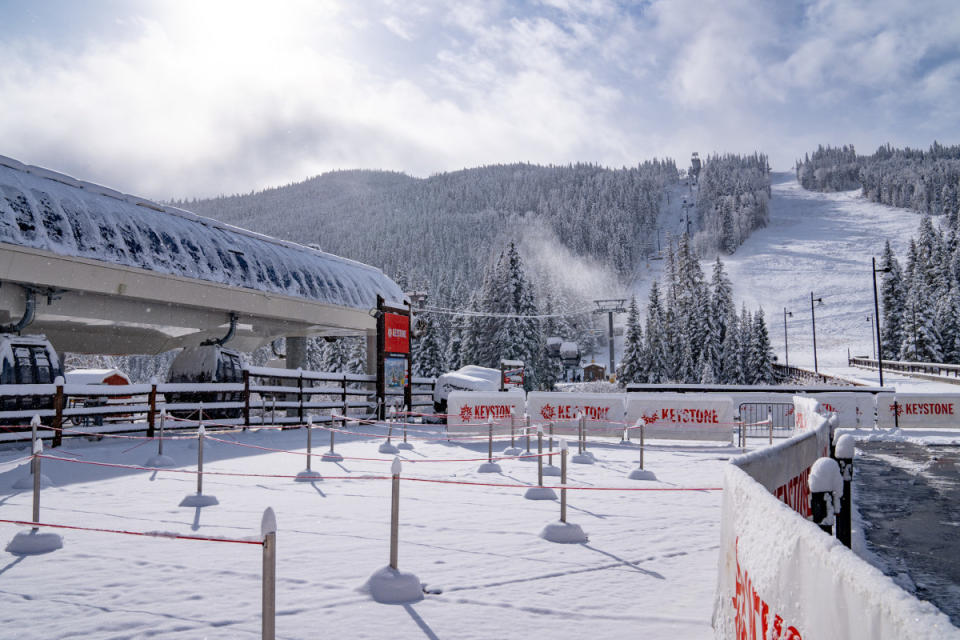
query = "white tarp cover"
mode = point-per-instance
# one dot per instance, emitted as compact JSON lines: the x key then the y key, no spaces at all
{"x":60,"y":216}
{"x":604,"y":411}
{"x":683,"y":416}
{"x":470,"y":410}
{"x":781,"y":577}
{"x":919,"y":410}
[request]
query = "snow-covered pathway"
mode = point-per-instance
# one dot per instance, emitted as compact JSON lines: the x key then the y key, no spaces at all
{"x":648,"y":569}
{"x":820,"y":243}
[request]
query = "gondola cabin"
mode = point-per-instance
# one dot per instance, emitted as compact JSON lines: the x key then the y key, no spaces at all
{"x":27,"y":360}
{"x":206,"y":364}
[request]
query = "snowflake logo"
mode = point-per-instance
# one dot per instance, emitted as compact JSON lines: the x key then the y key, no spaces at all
{"x":896,"y":408}
{"x":547,"y":412}
{"x":466,"y":413}
{"x":649,"y":419}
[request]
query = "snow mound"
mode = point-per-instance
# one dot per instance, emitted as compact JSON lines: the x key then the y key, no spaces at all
{"x":199,"y":500}
{"x":25,"y":483}
{"x":391,"y":586}
{"x":551,"y":470}
{"x":564,"y":533}
{"x":308,"y":475}
{"x":583,"y":458}
{"x":512,"y":451}
{"x":540,"y":493}
{"x":489,"y":467}
{"x":845,"y":446}
{"x":331,"y":456}
{"x":642,"y":474}
{"x":388,"y":447}
{"x":825,"y":476}
{"x":406,"y":446}
{"x":160,"y":461}
{"x":28,"y":543}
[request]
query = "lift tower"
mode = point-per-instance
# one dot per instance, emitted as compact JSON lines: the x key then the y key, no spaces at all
{"x":610,"y":307}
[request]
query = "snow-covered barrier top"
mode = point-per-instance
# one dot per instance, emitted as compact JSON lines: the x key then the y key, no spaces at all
{"x":45,"y":210}
{"x":781,"y":577}
{"x":469,"y":411}
{"x":468,"y":378}
{"x":603,"y":411}
{"x":683,"y":416}
{"x":919,"y":410}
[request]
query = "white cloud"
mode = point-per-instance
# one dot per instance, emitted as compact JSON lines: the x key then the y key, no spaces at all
{"x":220,"y":97}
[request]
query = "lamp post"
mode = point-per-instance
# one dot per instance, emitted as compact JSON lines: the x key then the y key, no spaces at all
{"x":872,"y":343}
{"x":876,"y":314}
{"x":786,"y":353}
{"x":813,"y":318}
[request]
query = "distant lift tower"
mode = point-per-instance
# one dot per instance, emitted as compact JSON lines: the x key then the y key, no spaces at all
{"x":610,"y":307}
{"x":695,"y":167}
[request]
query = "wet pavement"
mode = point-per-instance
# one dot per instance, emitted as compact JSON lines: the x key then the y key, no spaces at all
{"x":909,"y":501}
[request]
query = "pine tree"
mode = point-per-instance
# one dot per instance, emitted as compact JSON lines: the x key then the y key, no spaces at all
{"x":732,"y":366}
{"x":893,"y":300}
{"x":335,"y":355}
{"x":761,"y":356}
{"x":357,"y":359}
{"x":920,"y":340}
{"x":631,"y":363}
{"x":427,"y":356}
{"x":655,"y":343}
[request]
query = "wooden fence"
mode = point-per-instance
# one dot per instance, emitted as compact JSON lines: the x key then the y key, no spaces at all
{"x":265,"y":396}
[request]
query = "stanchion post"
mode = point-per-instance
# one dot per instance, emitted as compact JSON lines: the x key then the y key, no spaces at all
{"x":163,"y":422}
{"x":37,"y":450}
{"x":310,"y":440}
{"x":489,"y":440}
{"x":526,"y":428}
{"x":511,"y":427}
{"x":550,"y":426}
{"x":58,"y":402}
{"x":332,"y":427}
{"x":643,"y":423}
{"x":563,"y":481}
{"x":395,"y":512}
{"x":581,"y":426}
{"x":770,"y":422}
{"x":844,"y":452}
{"x":200,"y":435}
{"x":539,"y":455}
{"x":268,"y":533}
{"x":152,"y":411}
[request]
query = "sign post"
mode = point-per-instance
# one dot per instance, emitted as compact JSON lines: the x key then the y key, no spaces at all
{"x":394,"y":361}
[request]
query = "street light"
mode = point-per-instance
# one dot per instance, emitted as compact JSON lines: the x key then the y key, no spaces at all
{"x":813,"y":318}
{"x":786,"y":353}
{"x":876,"y":314}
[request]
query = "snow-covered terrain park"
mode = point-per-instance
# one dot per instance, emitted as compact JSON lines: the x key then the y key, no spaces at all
{"x":648,"y":570}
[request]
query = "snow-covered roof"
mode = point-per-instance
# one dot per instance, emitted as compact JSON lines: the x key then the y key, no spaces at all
{"x":93,"y":376}
{"x":45,"y":210}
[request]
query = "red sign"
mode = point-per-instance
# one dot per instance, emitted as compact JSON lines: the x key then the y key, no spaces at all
{"x":397,"y":328}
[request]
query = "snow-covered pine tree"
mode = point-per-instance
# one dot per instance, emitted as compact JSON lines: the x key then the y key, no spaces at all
{"x":357,"y":359}
{"x":920,"y":340}
{"x":655,"y":345}
{"x":893,"y":298}
{"x":732,"y":367}
{"x":632,"y":362}
{"x":335,"y":355}
{"x":761,"y":355}
{"x":427,"y":355}
{"x":746,"y":337}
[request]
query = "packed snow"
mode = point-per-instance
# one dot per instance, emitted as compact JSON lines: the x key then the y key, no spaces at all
{"x":648,"y":565}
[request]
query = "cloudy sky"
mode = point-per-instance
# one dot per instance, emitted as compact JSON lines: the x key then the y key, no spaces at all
{"x":174,"y":99}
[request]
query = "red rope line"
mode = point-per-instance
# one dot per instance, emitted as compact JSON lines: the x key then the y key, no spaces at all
{"x":372,"y":477}
{"x":149,"y":534}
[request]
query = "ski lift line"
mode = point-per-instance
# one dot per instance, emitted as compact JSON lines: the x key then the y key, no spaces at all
{"x":516,"y":316}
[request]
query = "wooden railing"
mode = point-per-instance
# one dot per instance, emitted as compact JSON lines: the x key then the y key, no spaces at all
{"x":917,"y":369}
{"x":799,"y":374}
{"x":265,"y":396}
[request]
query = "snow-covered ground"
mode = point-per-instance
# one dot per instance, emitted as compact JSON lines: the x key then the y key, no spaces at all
{"x":648,"y":569}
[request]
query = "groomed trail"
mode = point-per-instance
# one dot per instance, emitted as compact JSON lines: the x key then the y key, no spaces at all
{"x":820,"y":243}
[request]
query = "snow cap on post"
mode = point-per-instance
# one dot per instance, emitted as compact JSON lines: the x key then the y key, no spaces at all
{"x":163,"y":413}
{"x":825,"y":477}
{"x":396,"y":467}
{"x":393,"y":411}
{"x":310,"y":420}
{"x":833,"y":419}
{"x":202,"y":431}
{"x":59,"y":381}
{"x":844,"y":447}
{"x":539,"y":428}
{"x":563,"y":445}
{"x":35,"y":421}
{"x":153,"y":380}
{"x":640,"y":422}
{"x":37,"y":446}
{"x":268,"y":523}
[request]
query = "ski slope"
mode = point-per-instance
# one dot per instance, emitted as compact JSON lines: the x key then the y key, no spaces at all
{"x":820,"y":243}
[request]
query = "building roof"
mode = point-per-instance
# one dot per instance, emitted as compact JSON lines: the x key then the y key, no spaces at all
{"x":45,"y":210}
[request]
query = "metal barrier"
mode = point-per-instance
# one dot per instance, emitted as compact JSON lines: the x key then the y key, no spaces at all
{"x":780,"y":413}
